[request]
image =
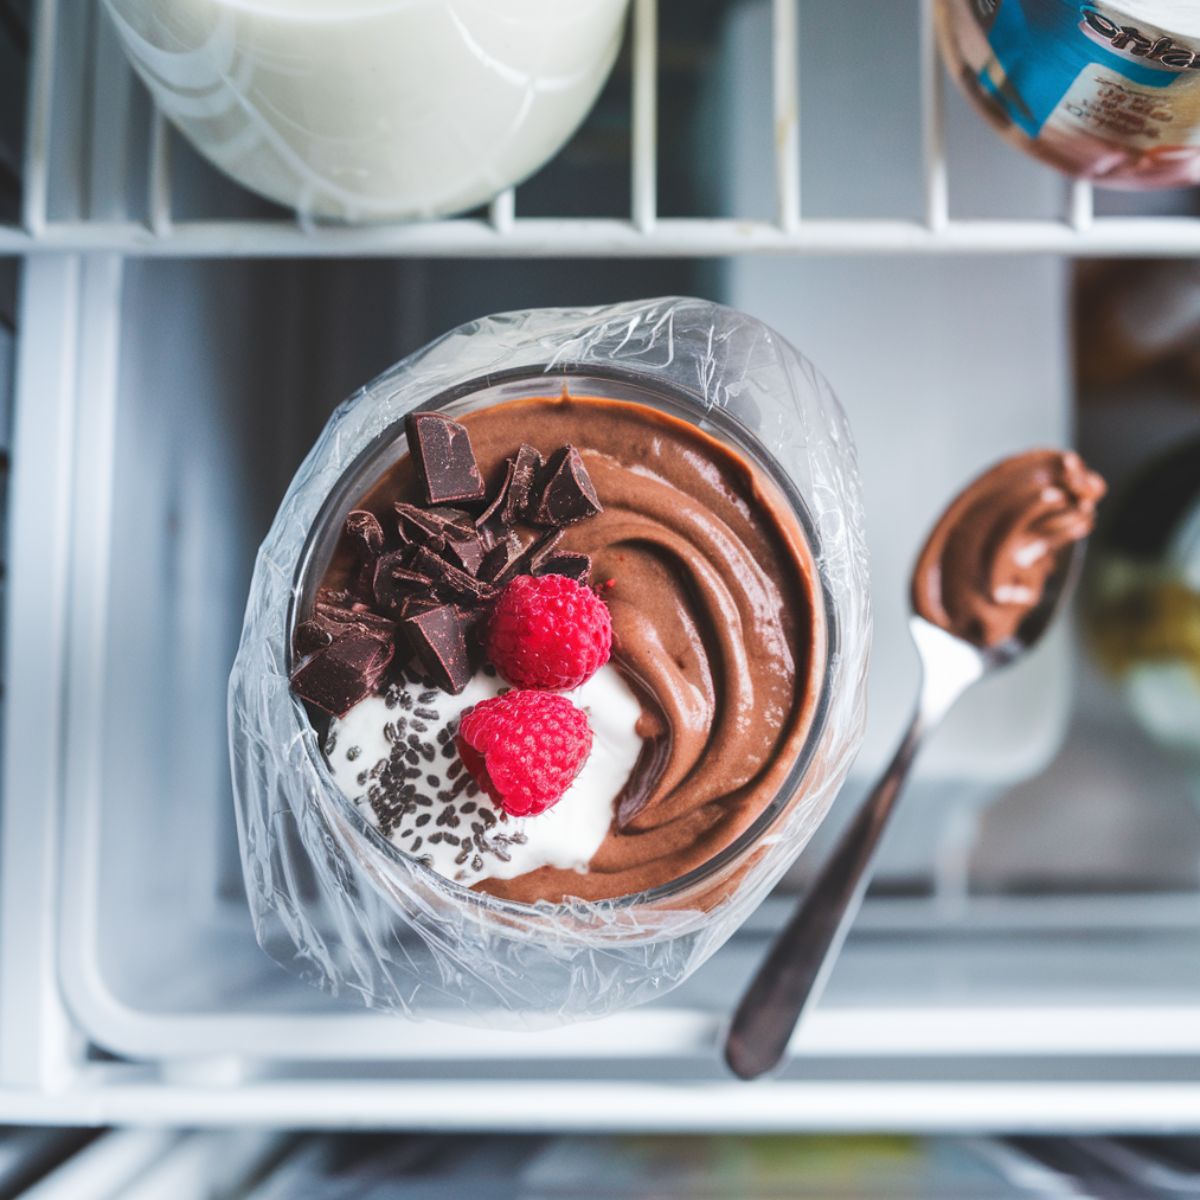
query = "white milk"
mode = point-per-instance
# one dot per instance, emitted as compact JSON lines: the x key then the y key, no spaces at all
{"x":373,"y":109}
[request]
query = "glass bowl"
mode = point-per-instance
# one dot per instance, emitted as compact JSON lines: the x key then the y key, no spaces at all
{"x":363,"y":914}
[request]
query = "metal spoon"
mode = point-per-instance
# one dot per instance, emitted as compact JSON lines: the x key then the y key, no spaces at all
{"x":799,"y":963}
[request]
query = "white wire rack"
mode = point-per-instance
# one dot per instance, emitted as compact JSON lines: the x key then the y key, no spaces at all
{"x":645,"y":233}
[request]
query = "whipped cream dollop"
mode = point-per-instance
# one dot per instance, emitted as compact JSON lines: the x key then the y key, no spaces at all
{"x":393,"y":756}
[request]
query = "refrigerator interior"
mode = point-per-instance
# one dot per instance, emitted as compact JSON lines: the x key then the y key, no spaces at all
{"x":1028,"y":959}
{"x":220,"y":1164}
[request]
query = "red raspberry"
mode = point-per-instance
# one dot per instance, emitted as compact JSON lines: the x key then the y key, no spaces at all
{"x":549,"y":632}
{"x":524,"y":748}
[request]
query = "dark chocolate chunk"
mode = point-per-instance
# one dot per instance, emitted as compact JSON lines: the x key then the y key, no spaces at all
{"x":574,"y":566}
{"x":530,"y":558}
{"x":491,"y":514}
{"x":526,"y":466}
{"x":413,"y":524}
{"x":337,"y":678}
{"x":339,"y":620}
{"x":395,"y":579}
{"x":567,"y":495}
{"x":474,"y":616}
{"x":336,"y":598}
{"x":364,"y":580}
{"x":365,"y":533}
{"x":444,"y":459}
{"x":497,"y":560}
{"x":311,"y":636}
{"x":466,"y":553}
{"x":452,"y":522}
{"x":424,"y":524}
{"x":418,"y":604}
{"x":329,"y":622}
{"x":542,"y":549}
{"x":438,"y":638}
{"x":449,"y":579}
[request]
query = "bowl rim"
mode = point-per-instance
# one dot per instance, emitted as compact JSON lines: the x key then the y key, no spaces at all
{"x":357,"y":478}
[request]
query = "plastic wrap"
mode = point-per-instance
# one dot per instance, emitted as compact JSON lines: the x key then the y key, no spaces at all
{"x":335,"y":902}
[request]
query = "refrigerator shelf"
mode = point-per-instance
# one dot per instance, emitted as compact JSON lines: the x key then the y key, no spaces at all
{"x":160,"y":411}
{"x":973,"y":1103}
{"x":80,"y":84}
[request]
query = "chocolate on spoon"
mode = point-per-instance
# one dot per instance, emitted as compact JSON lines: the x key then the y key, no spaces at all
{"x":986,"y":564}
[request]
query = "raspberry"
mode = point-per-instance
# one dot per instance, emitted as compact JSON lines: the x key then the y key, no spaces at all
{"x":549,"y":632}
{"x":524,"y":748}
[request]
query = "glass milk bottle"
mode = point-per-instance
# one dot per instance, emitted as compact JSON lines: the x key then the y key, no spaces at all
{"x":374,"y":109}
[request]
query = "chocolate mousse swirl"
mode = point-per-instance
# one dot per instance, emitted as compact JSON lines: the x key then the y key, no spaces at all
{"x":713,"y":619}
{"x":986,"y":565}
{"x":711,"y":586}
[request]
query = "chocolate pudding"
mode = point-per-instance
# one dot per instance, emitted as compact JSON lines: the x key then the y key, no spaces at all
{"x":717,"y":645}
{"x":985,"y":566}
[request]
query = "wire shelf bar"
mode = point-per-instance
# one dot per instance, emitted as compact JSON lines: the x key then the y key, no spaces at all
{"x":645,"y":233}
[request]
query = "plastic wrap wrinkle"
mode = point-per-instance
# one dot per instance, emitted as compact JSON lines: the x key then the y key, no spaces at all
{"x":339,"y":906}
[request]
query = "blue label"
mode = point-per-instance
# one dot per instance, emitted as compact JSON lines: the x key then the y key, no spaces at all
{"x":1041,"y":48}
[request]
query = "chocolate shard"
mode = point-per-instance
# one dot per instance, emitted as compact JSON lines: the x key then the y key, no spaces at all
{"x":412,"y":523}
{"x":422,"y":524}
{"x":311,"y":636}
{"x":567,"y":495}
{"x":435,"y":545}
{"x":365,"y":533}
{"x":438,"y":638}
{"x":526,"y":466}
{"x":475,"y":623}
{"x":529,"y":559}
{"x":336,"y":598}
{"x":364,"y":580}
{"x":354,"y":611}
{"x":337,"y":678}
{"x":497,"y":560}
{"x":395,"y":579}
{"x":444,"y":459}
{"x":574,"y":566}
{"x":449,"y":579}
{"x":541,"y":550}
{"x":466,"y":553}
{"x":454,"y":522}
{"x":491,"y":514}
{"x":376,"y":626}
{"x":339,"y":622}
{"x":412,"y":605}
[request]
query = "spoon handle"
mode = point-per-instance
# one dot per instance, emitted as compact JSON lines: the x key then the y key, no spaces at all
{"x":796,"y":969}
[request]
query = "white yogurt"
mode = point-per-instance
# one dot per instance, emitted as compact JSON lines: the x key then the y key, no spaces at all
{"x":566,"y":836}
{"x":373,"y":109}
